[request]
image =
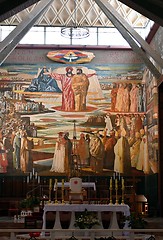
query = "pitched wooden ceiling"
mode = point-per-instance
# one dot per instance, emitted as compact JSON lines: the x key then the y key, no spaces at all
{"x":151,"y":9}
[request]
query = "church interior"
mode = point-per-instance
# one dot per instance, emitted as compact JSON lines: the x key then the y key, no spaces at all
{"x":81,"y":113}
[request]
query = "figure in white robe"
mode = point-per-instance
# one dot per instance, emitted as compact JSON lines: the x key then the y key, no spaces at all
{"x":58,"y":164}
{"x":109,"y":125}
{"x":122,"y":163}
{"x":143,"y":159}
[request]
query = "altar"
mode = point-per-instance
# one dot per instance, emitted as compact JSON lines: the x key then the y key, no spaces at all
{"x":99,"y":208}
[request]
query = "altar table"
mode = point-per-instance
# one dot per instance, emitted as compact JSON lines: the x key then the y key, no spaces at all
{"x":114,"y":208}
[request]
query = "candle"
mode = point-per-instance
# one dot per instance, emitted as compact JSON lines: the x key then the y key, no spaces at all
{"x":38,"y":179}
{"x":27,"y":179}
{"x":36,"y":175}
{"x":114,"y":175}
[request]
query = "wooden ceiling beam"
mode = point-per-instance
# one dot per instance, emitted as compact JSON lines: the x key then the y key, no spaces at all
{"x":12,"y":40}
{"x":152,"y":9}
{"x":130,"y":35}
{"x":9,"y":9}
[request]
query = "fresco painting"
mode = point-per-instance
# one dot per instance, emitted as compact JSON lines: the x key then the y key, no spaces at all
{"x":64,"y":119}
{"x":70,"y":56}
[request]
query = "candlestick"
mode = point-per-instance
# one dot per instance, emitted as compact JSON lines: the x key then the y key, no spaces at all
{"x":56,"y":188}
{"x":111,"y":187}
{"x":50,"y":184}
{"x":116,"y":190}
{"x":123,"y":188}
{"x":116,"y":183}
{"x":50,"y":188}
{"x":55,"y":184}
{"x":123,"y":185}
{"x":62,"y":183}
{"x":62,"y":190}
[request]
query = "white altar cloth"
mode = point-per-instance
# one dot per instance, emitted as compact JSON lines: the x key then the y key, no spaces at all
{"x":84,"y":185}
{"x":114,"y":208}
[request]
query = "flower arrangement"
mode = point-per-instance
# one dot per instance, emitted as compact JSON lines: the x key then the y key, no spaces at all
{"x":86,"y":220}
{"x":135,"y":221}
{"x":30,"y":202}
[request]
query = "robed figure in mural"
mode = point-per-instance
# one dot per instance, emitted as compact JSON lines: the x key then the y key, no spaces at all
{"x":16,"y":153}
{"x":43,"y":83}
{"x":122,"y":162}
{"x":80,"y":84}
{"x":143,"y":158}
{"x":59,"y":155}
{"x":113,"y":95}
{"x":83,"y":150}
{"x":134,"y":94}
{"x":68,"y":153}
{"x":68,"y":102}
{"x":3,"y":158}
{"x":9,"y":151}
{"x":25,"y":154}
{"x":97,"y":153}
{"x":135,"y":149}
{"x":109,"y":143}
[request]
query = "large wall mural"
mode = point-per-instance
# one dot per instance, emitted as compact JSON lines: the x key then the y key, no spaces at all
{"x":69,"y":119}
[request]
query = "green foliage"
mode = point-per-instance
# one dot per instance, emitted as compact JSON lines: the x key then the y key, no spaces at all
{"x":136,"y":221}
{"x":30,"y":202}
{"x":86,"y":220}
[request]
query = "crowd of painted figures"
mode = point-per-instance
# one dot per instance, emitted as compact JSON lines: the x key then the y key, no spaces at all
{"x":120,"y":147}
{"x":128,"y":97}
{"x":16,"y":140}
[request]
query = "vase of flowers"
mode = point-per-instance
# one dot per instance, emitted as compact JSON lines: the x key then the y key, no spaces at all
{"x":86,"y":220}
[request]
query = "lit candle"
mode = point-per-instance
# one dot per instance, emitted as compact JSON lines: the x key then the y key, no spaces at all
{"x":38,"y":179}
